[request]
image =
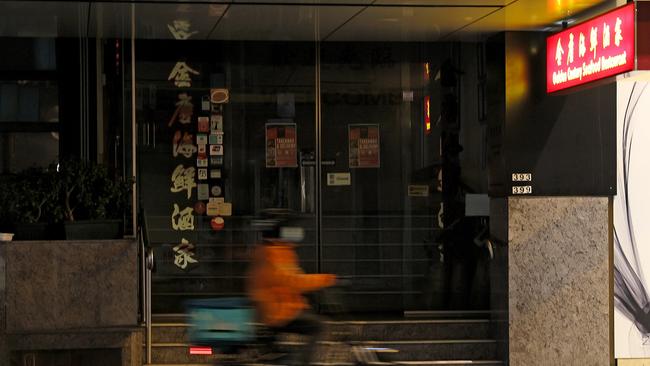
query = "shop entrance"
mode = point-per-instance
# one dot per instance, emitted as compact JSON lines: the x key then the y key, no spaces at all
{"x":360,"y":134}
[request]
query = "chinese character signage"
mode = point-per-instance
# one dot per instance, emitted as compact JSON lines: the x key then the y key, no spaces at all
{"x":181,"y":75}
{"x":184,"y":254}
{"x":593,"y":50}
{"x":281,"y":143}
{"x":363,"y":141}
{"x":180,"y":29}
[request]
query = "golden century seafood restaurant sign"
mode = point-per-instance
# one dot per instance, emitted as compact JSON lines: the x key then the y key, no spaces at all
{"x":598,"y":48}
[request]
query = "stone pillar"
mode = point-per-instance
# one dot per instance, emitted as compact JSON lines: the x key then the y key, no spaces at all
{"x":559,"y":281}
{"x":4,"y":351}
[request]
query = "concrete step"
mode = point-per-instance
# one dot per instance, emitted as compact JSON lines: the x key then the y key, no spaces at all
{"x":474,"y":349}
{"x":440,"y":350}
{"x":451,"y":363}
{"x":408,"y":330}
{"x":369,"y":330}
{"x":405,"y":363}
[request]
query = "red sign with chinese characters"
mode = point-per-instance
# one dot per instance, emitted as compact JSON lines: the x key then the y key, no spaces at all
{"x":593,"y":50}
{"x":427,"y":114}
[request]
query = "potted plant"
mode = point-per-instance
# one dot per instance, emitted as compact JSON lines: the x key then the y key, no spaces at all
{"x":92,"y":201}
{"x":7,"y":203}
{"x":29,"y":200}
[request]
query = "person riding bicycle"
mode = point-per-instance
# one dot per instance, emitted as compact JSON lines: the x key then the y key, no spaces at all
{"x":277,"y":284}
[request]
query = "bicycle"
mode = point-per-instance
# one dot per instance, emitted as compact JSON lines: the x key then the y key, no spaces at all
{"x":227,"y":325}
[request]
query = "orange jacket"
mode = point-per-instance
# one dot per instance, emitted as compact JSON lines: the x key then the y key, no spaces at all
{"x":277,"y":284}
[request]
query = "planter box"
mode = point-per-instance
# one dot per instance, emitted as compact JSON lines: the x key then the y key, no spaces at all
{"x":35,"y":231}
{"x":93,"y":229}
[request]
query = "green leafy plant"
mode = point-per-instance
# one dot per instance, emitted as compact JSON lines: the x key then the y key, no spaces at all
{"x":77,"y":191}
{"x":7,"y":202}
{"x":29,"y":196}
{"x":88,"y":191}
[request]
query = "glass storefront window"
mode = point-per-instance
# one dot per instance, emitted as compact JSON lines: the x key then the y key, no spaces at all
{"x":29,"y":101}
{"x":22,"y":150}
{"x":361,"y":119}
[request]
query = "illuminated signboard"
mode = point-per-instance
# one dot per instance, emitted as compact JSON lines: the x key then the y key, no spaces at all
{"x":593,"y":50}
{"x":427,"y":114}
{"x":195,"y":350}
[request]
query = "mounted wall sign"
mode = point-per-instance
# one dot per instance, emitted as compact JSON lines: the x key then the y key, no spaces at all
{"x":598,"y":48}
{"x":281,"y":145}
{"x":364,"y":147}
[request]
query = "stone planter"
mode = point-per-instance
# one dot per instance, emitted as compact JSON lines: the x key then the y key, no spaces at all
{"x":93,"y":229}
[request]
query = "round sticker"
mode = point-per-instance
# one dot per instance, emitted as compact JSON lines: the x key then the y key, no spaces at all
{"x":199,"y":208}
{"x":216,"y":191}
{"x":217,"y":223}
{"x":218,"y":96}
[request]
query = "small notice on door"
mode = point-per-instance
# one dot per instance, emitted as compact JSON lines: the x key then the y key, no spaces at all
{"x":418,"y":191}
{"x":338,"y":179}
{"x":363,"y":142}
{"x":281,"y":144}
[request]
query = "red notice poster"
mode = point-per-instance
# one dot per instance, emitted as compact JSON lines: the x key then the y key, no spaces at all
{"x":363,"y":142}
{"x":281,"y":142}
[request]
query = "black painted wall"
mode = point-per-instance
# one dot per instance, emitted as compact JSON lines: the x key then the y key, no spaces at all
{"x":567,"y":141}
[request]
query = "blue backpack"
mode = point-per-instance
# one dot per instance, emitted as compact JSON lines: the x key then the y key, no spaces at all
{"x":221,"y":323}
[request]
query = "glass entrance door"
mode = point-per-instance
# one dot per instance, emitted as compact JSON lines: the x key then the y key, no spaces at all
{"x":227,"y":129}
{"x":352,"y":132}
{"x":379,"y":192}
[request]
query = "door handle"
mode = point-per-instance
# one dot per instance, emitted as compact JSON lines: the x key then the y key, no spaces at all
{"x":147,"y":143}
{"x":313,"y":163}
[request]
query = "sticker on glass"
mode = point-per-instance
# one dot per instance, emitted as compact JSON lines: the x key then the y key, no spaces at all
{"x":204,"y":124}
{"x":215,"y":173}
{"x":216,"y":149}
{"x":216,"y":161}
{"x":216,"y":122}
{"x":219,"y":96}
{"x":202,"y":192}
{"x":216,"y":138}
{"x":203,"y":173}
{"x":201,"y":139}
{"x":203,"y":150}
{"x":225,"y":209}
{"x":199,"y":208}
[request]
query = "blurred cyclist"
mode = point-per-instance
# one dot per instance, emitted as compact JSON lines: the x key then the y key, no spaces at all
{"x":277,"y":283}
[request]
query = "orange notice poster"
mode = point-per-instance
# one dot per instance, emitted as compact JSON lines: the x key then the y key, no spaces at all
{"x":281,"y":145}
{"x":364,"y":148}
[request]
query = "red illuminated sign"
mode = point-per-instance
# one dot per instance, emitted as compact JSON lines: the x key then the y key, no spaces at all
{"x":427,"y":114}
{"x":194,"y":350}
{"x":593,"y":50}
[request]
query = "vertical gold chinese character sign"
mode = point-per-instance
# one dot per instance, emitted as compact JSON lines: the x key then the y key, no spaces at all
{"x":182,"y":75}
{"x":183,"y":179}
{"x":184,"y":254}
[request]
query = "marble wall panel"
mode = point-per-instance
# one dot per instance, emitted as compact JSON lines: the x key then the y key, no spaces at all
{"x":60,"y":285}
{"x":558,"y":279}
